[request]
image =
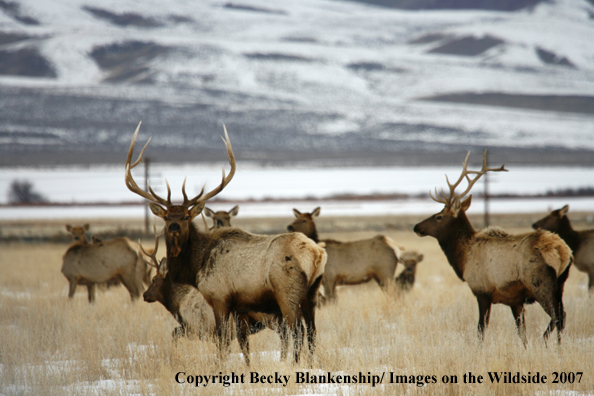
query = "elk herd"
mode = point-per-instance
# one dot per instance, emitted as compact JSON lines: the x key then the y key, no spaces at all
{"x":225,"y":283}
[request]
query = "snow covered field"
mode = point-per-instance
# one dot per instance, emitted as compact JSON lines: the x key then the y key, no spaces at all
{"x":106,"y":184}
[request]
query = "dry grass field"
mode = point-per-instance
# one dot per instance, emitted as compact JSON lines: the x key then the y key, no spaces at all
{"x":50,"y":345}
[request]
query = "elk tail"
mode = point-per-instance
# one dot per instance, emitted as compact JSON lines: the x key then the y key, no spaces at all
{"x":554,"y":251}
{"x":397,"y":249}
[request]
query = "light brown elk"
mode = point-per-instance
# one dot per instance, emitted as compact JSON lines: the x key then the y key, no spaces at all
{"x":500,"y":268}
{"x":78,"y":233}
{"x":351,"y":263}
{"x":238,"y":272}
{"x":221,"y":218}
{"x":116,"y":259}
{"x":580,"y":242}
{"x":406,"y":279}
{"x":190,"y":309}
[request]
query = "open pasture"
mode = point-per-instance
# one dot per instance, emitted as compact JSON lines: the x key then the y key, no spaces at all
{"x":50,"y":345}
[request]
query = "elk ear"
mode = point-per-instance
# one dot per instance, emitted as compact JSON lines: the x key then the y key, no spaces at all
{"x":68,"y":227}
{"x":163,"y":267}
{"x":233,"y":212}
{"x":196,"y":209}
{"x":86,"y":227}
{"x":316,"y":212}
{"x":157,"y":210}
{"x":420,"y":258}
{"x":563,"y":211}
{"x":466,"y":203}
{"x":208,"y":212}
{"x":296,"y":213}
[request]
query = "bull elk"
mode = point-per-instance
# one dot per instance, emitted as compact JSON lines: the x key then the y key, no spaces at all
{"x":221,"y":218}
{"x":581,"y":243}
{"x":189,"y":308}
{"x":351,"y":263}
{"x":111,"y":261}
{"x":238,"y":272}
{"x":500,"y":268}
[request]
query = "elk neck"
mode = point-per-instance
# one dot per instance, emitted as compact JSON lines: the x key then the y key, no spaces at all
{"x":194,"y":251}
{"x":454,"y":242}
{"x":568,"y":234}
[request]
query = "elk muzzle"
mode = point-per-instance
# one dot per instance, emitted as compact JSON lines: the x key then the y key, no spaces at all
{"x":419,"y":230}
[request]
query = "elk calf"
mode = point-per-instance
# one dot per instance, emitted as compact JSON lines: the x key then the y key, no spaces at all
{"x":406,"y":279}
{"x":221,"y":218}
{"x":498,"y":267}
{"x":351,"y":263}
{"x":580,"y":242}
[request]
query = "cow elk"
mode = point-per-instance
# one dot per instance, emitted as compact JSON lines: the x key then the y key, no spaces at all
{"x":111,"y":261}
{"x":500,"y":268}
{"x":351,"y":263}
{"x":238,"y":272}
{"x":406,"y":279}
{"x":221,"y":218}
{"x":581,"y":243}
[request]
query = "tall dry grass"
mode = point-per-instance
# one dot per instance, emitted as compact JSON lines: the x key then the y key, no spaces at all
{"x":50,"y":345}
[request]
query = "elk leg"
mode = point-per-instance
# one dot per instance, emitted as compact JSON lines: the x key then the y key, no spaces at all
{"x":329,"y":289}
{"x":518,"y":312}
{"x":243,"y":328}
{"x":282,"y":330}
{"x":130,"y":284}
{"x":221,"y":314}
{"x":484,"y":303}
{"x":545,"y":289}
{"x":72,"y":287}
{"x":91,"y":292}
{"x":309,"y":314}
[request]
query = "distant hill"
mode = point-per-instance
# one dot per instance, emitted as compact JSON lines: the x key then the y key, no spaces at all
{"x":340,"y":82}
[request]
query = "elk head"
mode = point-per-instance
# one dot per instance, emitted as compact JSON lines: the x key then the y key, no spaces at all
{"x":177,"y":217}
{"x":440,"y":224}
{"x":78,"y":232}
{"x":553,"y":220}
{"x":221,"y":218}
{"x":155,"y":290}
{"x":304,"y":223}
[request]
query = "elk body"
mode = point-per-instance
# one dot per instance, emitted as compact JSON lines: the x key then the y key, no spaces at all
{"x":351,"y":263}
{"x":116,"y":259}
{"x":406,"y":279}
{"x":500,"y":268}
{"x":189,"y":308}
{"x":221,"y":218}
{"x":581,"y":243}
{"x":238,"y":272}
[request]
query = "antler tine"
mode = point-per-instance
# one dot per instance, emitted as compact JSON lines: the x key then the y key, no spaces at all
{"x":153,"y":255}
{"x":484,"y":169}
{"x":443,"y":200}
{"x":129,"y":180}
{"x":226,"y":179}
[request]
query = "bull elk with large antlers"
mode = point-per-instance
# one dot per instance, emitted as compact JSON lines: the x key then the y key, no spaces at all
{"x":351,"y":263}
{"x":581,"y":243}
{"x":500,"y":268}
{"x":189,"y":308}
{"x":238,"y":272}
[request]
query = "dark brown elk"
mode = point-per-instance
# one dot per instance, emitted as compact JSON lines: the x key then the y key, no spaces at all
{"x":221,"y":218}
{"x":500,"y":268}
{"x":581,"y":243}
{"x":351,"y":263}
{"x":113,"y":260}
{"x":238,"y":272}
{"x":189,"y":308}
{"x":406,"y":279}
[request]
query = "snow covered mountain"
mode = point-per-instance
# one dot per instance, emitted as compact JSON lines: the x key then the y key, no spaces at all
{"x":340,"y":82}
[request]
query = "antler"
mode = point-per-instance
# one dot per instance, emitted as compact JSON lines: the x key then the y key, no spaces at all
{"x":224,"y":182}
{"x":153,"y":197}
{"x":131,"y":183}
{"x":448,"y":199}
{"x":153,"y":255}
